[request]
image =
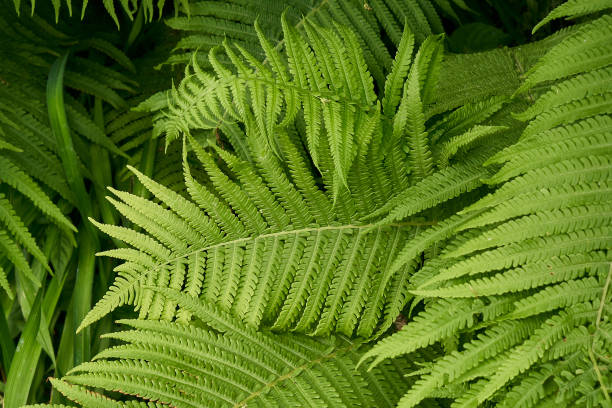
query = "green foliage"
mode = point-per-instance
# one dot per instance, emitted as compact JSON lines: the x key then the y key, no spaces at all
{"x":229,"y":364}
{"x":548,"y":258}
{"x":345,"y":211}
{"x":258,"y":235}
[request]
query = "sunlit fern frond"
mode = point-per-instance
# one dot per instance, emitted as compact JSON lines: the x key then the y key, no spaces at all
{"x":539,"y":244}
{"x":225,"y":363}
{"x":264,"y":233}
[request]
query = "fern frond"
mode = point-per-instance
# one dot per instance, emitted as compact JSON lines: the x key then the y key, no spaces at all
{"x":399,"y":70}
{"x":543,"y":200}
{"x":16,"y":227}
{"x":439,"y":187}
{"x":234,"y":272}
{"x":577,"y":171}
{"x":566,"y":113}
{"x":452,"y":146}
{"x":447,"y":369}
{"x":526,"y":354}
{"x":542,"y":223}
{"x":584,"y":138}
{"x":439,"y":322}
{"x":528,"y":251}
{"x":465,"y":117}
{"x":528,"y":276}
{"x":327,"y":104}
{"x":566,"y":294}
{"x":587,"y":49}
{"x":411,"y":121}
{"x":531,"y":389}
{"x":595,"y":82}
{"x":226,"y":364}
{"x":23,"y":183}
{"x":574,"y":9}
{"x":429,"y":237}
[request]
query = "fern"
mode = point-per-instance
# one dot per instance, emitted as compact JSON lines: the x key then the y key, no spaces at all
{"x":227,"y":364}
{"x":451,"y":210}
{"x":528,"y":245}
{"x":147,"y":8}
{"x":258,"y":235}
{"x":208,"y":23}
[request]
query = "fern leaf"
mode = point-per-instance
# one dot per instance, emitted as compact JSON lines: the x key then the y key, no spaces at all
{"x":566,"y":294}
{"x":429,"y":237}
{"x":83,"y":395}
{"x":585,"y":138}
{"x":530,"y":390}
{"x":399,"y":70}
{"x":226,"y":364}
{"x":428,"y":62}
{"x":4,"y":284}
{"x":543,"y":200}
{"x":524,"y":355}
{"x":465,"y":117}
{"x":420,"y":158}
{"x":590,"y":83}
{"x":451,"y":147}
{"x":436,"y":323}
{"x":527,"y":251}
{"x":573,"y":9}
{"x":447,"y":369}
{"x":431,"y":191}
{"x":20,"y":181}
{"x":569,"y":112}
{"x":528,"y":276}
{"x":542,"y":223}
{"x":578,"y":171}
{"x":22,"y":236}
{"x":15,"y":255}
{"x":587,"y":49}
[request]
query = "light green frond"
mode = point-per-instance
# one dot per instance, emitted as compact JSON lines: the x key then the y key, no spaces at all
{"x":329,"y":105}
{"x":399,"y":70}
{"x":226,"y":364}
{"x":530,"y":390}
{"x":429,"y":237}
{"x":527,"y":251}
{"x":465,"y":117}
{"x":574,"y":9}
{"x":526,"y":354}
{"x":585,"y":138}
{"x":540,"y":224}
{"x":439,"y":187}
{"x":136,"y":239}
{"x":587,"y":49}
{"x":572,"y":111}
{"x":412,"y":125}
{"x":575,"y":171}
{"x":83,"y":396}
{"x":475,"y":134}
{"x":595,"y":82}
{"x":447,"y":369}
{"x":437,"y":323}
{"x":526,"y":277}
{"x":429,"y":63}
{"x":566,"y":294}
{"x":543,"y":200}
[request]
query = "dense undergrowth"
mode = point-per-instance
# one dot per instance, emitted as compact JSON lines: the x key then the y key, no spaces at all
{"x":306,"y":203}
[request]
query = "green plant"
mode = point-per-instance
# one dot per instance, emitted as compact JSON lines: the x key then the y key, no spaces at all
{"x":327,"y":225}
